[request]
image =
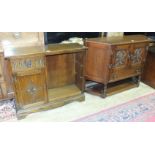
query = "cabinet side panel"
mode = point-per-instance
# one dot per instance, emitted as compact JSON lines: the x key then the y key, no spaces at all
{"x":149,"y":70}
{"x":80,"y":70}
{"x":98,"y":58}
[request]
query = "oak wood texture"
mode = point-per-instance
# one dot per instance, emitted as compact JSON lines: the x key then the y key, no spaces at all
{"x":113,"y":88}
{"x":47,"y":77}
{"x":4,"y":87}
{"x":61,"y":70}
{"x":23,"y":51}
{"x":65,"y":72}
{"x":115,"y":58}
{"x":148,"y":76}
{"x":63,"y":92}
{"x":121,"y":40}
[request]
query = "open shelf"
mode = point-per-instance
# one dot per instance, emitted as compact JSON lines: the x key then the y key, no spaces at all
{"x":63,"y":92}
{"x":113,"y":88}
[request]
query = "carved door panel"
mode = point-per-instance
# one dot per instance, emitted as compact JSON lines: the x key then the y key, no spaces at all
{"x":120,"y":61}
{"x":138,"y":54}
{"x":30,"y":88}
{"x":121,"y":54}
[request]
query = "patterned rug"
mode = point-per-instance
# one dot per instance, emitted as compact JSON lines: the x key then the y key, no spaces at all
{"x":7,"y":110}
{"x":141,"y":109}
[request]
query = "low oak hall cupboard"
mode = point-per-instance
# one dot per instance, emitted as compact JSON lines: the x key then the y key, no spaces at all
{"x":114,"y":64}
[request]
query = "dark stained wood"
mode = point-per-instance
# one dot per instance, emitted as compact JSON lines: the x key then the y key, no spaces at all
{"x":121,"y":40}
{"x":149,"y":68}
{"x":115,"y":58}
{"x":112,"y":88}
{"x":98,"y":58}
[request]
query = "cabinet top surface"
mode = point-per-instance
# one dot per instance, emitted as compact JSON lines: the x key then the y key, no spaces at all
{"x":23,"y":51}
{"x":52,"y":49}
{"x":120,"y":40}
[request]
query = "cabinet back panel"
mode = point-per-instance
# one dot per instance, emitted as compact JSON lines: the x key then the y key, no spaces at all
{"x":60,"y":70}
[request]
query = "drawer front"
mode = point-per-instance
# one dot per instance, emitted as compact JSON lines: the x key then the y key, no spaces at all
{"x":120,"y":74}
{"x":27,"y":63}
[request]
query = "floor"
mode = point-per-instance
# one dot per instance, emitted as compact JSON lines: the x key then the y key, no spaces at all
{"x":91,"y":105}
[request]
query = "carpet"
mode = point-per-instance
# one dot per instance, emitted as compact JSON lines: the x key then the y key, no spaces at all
{"x":7,"y":110}
{"x":141,"y":109}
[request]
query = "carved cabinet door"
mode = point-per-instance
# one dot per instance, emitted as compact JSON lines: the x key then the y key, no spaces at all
{"x":138,"y":54}
{"x":29,"y":78}
{"x":30,"y":88}
{"x":120,"y":61}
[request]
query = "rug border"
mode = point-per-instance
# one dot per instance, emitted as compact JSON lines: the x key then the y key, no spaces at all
{"x":89,"y":115}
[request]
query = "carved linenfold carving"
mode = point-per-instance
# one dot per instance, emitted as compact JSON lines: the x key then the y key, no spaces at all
{"x":137,"y":56}
{"x":120,"y":58}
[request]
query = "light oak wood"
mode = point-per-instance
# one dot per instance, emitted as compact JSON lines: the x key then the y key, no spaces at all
{"x":61,"y":93}
{"x":46,"y":77}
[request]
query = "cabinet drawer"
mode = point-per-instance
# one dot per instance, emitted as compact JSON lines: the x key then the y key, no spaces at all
{"x":125,"y":73}
{"x":27,"y":63}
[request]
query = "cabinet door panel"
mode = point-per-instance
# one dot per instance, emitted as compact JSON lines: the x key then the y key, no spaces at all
{"x":30,"y":88}
{"x":120,"y":62}
{"x":121,"y":54}
{"x":138,"y":54}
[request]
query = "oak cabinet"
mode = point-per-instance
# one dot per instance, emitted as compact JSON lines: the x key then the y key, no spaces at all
{"x":45,"y":78}
{"x":29,"y":79}
{"x":114,"y":59}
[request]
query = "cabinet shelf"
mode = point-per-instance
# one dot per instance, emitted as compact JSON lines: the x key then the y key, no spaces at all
{"x":64,"y":92}
{"x":113,"y":88}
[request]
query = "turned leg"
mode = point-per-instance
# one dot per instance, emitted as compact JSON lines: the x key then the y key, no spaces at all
{"x":138,"y":80}
{"x":134,"y":79}
{"x":104,"y":91}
